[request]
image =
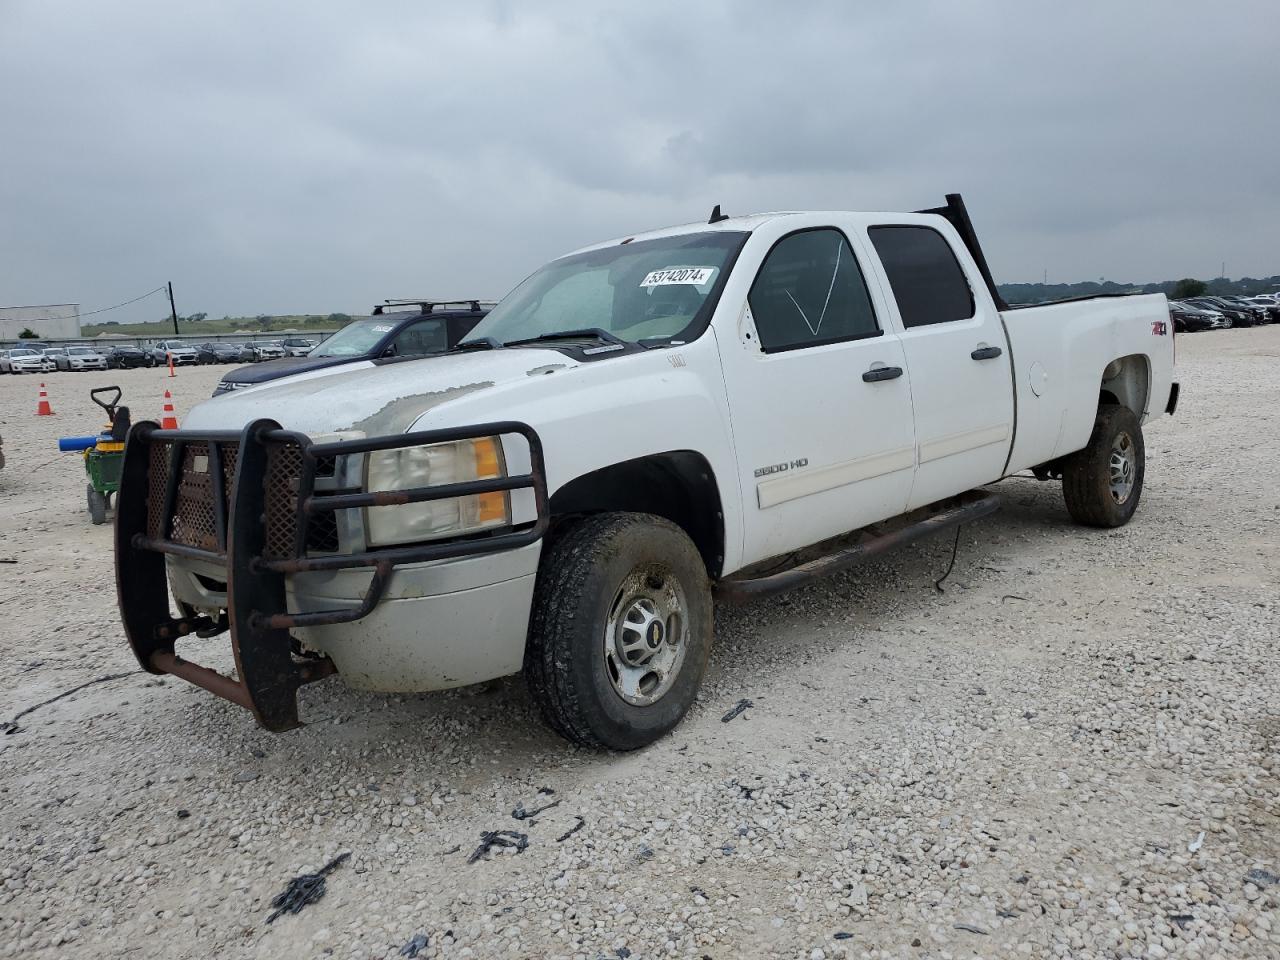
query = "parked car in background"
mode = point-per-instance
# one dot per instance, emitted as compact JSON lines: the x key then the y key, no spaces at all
{"x":52,"y":354}
{"x":1256,"y":312}
{"x":183,"y":353}
{"x":417,"y":330}
{"x":266,"y":350}
{"x":126,"y":357}
{"x":1238,"y":316}
{"x":81,"y":358}
{"x":1270,"y":309}
{"x":1189,"y":319}
{"x":24,"y":360}
{"x":222,"y":352}
{"x":296,"y":346}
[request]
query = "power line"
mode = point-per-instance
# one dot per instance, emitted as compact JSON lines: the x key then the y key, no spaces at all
{"x":125,"y":304}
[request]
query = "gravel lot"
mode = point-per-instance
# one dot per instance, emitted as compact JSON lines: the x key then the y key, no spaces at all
{"x":1072,"y":752}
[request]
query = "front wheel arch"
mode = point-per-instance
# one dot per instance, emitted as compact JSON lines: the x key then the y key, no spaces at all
{"x":678,"y":485}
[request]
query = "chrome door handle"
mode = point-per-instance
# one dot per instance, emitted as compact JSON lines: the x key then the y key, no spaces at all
{"x":986,"y":353}
{"x":882,"y":373}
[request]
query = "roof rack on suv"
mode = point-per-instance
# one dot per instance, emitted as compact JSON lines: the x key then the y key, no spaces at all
{"x":427,"y":306}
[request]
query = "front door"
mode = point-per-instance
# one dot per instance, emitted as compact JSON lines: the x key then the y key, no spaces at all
{"x":820,"y":399}
{"x":961,"y":384}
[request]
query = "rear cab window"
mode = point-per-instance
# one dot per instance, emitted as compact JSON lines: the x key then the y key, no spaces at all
{"x":927,"y":281}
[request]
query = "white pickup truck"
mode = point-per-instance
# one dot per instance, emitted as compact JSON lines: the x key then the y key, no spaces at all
{"x":724,"y":409}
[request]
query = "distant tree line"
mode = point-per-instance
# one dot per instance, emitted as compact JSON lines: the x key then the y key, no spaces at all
{"x":1175,"y":289}
{"x":264,"y":320}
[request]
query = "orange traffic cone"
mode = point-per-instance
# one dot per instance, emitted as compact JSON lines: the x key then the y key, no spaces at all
{"x":171,"y":373}
{"x":168,"y":420}
{"x":42,"y":406}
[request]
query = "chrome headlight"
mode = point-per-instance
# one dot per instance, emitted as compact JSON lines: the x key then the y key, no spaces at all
{"x":429,"y":466}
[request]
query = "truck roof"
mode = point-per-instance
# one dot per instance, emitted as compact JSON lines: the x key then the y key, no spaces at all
{"x":747,"y":222}
{"x":730,"y":224}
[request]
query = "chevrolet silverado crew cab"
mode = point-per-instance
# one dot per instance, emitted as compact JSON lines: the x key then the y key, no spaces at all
{"x":721,"y":410}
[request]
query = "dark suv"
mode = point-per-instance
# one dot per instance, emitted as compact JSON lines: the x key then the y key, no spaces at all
{"x":396,"y":330}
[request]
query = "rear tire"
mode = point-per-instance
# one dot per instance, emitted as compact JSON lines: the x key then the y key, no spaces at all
{"x":620,"y":630}
{"x":97,"y":506}
{"x":1102,"y":483}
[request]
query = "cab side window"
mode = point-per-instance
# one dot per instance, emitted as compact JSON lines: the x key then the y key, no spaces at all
{"x":926,"y":278}
{"x":418,"y":339}
{"x":810,"y":291}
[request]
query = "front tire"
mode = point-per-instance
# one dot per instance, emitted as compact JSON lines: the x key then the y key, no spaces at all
{"x":1102,"y":483}
{"x":620,"y":631}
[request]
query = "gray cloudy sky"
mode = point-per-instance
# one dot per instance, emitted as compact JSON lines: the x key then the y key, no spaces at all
{"x":274,"y":157}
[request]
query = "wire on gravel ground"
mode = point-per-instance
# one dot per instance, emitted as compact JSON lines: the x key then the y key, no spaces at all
{"x":955,"y":548}
{"x":11,"y":726}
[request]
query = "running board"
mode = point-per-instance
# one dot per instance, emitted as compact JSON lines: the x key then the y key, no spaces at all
{"x":945,"y":515}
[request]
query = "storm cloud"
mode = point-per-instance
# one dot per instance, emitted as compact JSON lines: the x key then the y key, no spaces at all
{"x":273,"y":158}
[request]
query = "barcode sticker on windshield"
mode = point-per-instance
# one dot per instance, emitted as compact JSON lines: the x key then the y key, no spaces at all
{"x":697,"y":276}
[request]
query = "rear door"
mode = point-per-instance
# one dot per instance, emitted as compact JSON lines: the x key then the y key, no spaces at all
{"x":958,"y":359}
{"x":818,"y":395}
{"x":420,"y":339}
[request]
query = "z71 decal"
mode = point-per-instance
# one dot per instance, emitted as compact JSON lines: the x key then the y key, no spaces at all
{"x":1159,"y":328}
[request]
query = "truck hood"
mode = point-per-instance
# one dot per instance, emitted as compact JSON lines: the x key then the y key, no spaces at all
{"x":386,"y":399}
{"x":284,"y":367}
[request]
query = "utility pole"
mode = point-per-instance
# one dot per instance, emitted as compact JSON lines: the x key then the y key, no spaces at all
{"x":173,"y":310}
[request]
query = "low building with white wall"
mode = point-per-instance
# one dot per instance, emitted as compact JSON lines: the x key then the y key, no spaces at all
{"x":52,"y":321}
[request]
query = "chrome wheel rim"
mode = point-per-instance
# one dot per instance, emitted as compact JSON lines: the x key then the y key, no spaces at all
{"x":646,"y":636}
{"x":1122,"y":467}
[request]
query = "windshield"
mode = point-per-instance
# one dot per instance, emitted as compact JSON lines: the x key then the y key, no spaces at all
{"x":80,"y":351}
{"x":355,"y":339}
{"x":650,"y":289}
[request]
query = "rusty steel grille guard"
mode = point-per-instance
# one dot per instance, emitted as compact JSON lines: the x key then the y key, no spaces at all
{"x":257,"y":616}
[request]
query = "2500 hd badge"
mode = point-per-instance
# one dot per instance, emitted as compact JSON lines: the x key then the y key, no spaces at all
{"x":782,"y":467}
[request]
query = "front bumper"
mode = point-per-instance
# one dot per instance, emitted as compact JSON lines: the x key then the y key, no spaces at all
{"x":238,"y":515}
{"x":439,"y":624}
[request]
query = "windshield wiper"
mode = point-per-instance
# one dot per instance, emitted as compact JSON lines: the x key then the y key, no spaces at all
{"x":480,"y":343}
{"x":585,"y":333}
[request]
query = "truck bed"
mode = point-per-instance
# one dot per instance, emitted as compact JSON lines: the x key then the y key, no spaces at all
{"x":1061,"y":352}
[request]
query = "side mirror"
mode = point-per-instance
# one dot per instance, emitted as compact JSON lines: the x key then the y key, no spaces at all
{"x":390,"y":351}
